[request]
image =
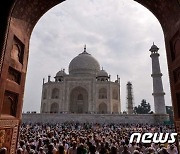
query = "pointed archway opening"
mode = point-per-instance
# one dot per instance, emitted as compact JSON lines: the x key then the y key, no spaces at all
{"x":78,"y":100}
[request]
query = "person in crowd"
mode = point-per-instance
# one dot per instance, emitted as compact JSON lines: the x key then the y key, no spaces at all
{"x":73,"y":149}
{"x":41,"y":150}
{"x":61,"y":150}
{"x":126,"y":151}
{"x":3,"y":150}
{"x":172,"y":149}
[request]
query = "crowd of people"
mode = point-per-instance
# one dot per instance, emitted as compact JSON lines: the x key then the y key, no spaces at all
{"x":87,"y":138}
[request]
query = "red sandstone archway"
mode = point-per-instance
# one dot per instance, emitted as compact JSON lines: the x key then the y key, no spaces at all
{"x":18,"y":18}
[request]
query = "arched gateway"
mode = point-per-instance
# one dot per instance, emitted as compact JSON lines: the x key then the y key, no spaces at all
{"x":18,"y":18}
{"x":78,"y":100}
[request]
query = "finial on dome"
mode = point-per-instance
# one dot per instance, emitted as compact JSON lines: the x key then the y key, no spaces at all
{"x":85,"y":48}
{"x":84,"y":52}
{"x":102,"y":68}
{"x":153,"y":43}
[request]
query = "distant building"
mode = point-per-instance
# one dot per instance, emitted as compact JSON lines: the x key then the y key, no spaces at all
{"x":86,"y":89}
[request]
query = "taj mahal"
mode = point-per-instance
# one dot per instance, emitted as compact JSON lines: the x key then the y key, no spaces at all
{"x":87,"y":94}
{"x":86,"y":89}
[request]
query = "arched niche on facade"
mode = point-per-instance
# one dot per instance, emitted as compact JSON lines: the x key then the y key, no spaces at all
{"x":45,"y":94}
{"x":55,"y":93}
{"x":115,"y":108}
{"x":115,"y":94}
{"x":103,"y":108}
{"x":102,"y":93}
{"x":54,"y":108}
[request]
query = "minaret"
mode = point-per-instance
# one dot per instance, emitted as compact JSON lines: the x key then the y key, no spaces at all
{"x":129,"y":98}
{"x":158,"y":93}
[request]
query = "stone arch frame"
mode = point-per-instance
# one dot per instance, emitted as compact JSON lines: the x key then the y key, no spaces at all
{"x":102,"y":93}
{"x":20,"y":22}
{"x":78,"y":100}
{"x":103,"y":108}
{"x":55,"y":93}
{"x":54,"y":108}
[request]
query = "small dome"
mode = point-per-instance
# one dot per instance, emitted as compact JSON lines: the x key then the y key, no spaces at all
{"x":102,"y":73}
{"x":60,"y":73}
{"x":84,"y":63}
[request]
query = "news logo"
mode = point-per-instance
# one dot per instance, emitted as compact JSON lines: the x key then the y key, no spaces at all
{"x":153,"y":137}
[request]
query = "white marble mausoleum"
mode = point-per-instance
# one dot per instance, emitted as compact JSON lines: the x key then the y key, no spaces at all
{"x":85,"y":89}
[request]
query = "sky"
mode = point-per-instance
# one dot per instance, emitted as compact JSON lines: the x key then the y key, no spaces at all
{"x":118,"y":33}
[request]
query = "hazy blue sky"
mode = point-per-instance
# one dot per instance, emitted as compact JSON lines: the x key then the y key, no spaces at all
{"x":118,"y":33}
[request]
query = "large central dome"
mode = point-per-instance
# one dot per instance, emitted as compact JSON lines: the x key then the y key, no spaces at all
{"x":84,"y":63}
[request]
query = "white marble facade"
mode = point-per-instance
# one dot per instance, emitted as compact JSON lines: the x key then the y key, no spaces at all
{"x":86,"y":89}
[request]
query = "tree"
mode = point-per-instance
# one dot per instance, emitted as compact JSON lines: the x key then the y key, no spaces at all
{"x":143,"y":108}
